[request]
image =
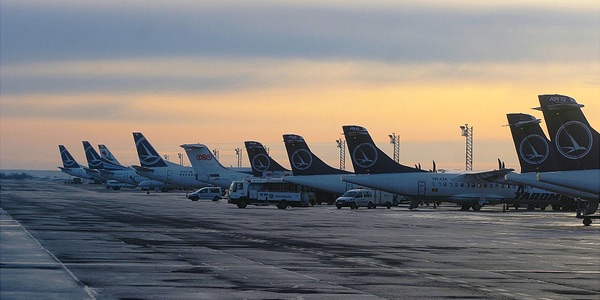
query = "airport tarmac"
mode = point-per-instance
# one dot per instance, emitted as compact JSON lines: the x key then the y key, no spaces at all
{"x":132,"y":245}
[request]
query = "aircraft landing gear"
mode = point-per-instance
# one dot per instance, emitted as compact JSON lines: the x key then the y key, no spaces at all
{"x":587,"y":221}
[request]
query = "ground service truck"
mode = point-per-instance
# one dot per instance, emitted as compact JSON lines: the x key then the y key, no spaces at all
{"x":269,"y":191}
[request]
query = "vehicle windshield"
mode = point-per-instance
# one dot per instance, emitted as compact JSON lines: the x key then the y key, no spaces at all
{"x":349,"y":194}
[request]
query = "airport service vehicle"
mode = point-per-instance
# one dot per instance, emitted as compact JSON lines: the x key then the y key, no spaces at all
{"x":356,"y":198}
{"x":269,"y":191}
{"x":207,"y":193}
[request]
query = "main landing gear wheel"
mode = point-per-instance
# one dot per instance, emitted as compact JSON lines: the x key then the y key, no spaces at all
{"x":587,"y":221}
{"x":282,"y":205}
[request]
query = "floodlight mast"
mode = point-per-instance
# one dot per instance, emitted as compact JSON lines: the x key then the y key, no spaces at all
{"x":341,"y":143}
{"x":467,"y":132}
{"x":395,"y":139}
{"x":238,"y":152}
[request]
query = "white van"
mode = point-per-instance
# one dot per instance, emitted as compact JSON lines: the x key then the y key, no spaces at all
{"x":356,"y":198}
{"x":207,"y":193}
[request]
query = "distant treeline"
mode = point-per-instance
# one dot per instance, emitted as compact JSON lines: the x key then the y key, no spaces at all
{"x":19,"y":176}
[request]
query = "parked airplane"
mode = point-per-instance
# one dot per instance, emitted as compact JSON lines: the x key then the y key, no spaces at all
{"x":262,"y":164}
{"x":153,"y":166}
{"x":536,"y":154}
{"x":94,"y":161}
{"x":309,"y":170}
{"x":114,"y":170}
{"x":575,"y":149}
{"x":208,"y":168}
{"x":576,"y":145}
{"x":70,"y":166}
{"x":469,"y":190}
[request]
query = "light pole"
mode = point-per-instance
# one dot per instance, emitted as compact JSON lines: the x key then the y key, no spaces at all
{"x":395,"y":139}
{"x":342,"y":145}
{"x":238,"y":152}
{"x":467,"y":132}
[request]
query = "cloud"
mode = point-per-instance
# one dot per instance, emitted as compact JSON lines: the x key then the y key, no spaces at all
{"x":408,"y":32}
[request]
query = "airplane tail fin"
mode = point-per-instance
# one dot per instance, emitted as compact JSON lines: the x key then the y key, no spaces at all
{"x":535,"y":151}
{"x":203,"y":159}
{"x":93,"y":158}
{"x":261,"y":162}
{"x":303,"y":161}
{"x":366,"y":157}
{"x":109,"y":161}
{"x":577,"y":143}
{"x":149,"y":157}
{"x":67,"y":159}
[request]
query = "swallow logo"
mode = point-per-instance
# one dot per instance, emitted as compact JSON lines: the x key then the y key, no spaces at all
{"x":261,"y":162}
{"x":68,"y":161}
{"x":145,"y":154}
{"x":364,"y":155}
{"x":94,"y":160}
{"x":574,"y":140}
{"x":534,"y":149}
{"x":301,"y":159}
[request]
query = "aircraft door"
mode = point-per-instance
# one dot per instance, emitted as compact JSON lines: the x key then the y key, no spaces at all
{"x":169,"y":175}
{"x":421,"y":191}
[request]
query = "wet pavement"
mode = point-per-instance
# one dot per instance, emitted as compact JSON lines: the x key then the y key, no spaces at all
{"x":130,"y":245}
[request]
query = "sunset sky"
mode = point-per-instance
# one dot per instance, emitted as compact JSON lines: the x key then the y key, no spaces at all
{"x":223,"y":72}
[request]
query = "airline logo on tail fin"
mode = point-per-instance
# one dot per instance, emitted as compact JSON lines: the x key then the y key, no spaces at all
{"x":260,"y":160}
{"x":148,"y":156}
{"x":533,"y":147}
{"x":94,"y":161}
{"x":366,"y":157}
{"x":574,"y":138}
{"x":109,"y":162}
{"x":67,"y":159}
{"x":303,"y":161}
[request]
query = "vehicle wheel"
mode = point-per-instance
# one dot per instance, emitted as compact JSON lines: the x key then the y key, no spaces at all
{"x":216,"y":198}
{"x":242,"y":204}
{"x":530,"y":207}
{"x":543,"y":207}
{"x":587,"y":221}
{"x":370,"y":205}
{"x":465,"y":207}
{"x":353,"y":205}
{"x":476,"y":207}
{"x":194,"y":198}
{"x":338,"y":207}
{"x":388,"y":205}
{"x":282,"y":205}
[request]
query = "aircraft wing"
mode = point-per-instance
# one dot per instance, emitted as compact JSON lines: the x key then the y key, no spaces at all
{"x":493,"y":175}
{"x":106,"y":172}
{"x":487,"y":198}
{"x":91,"y":172}
{"x":143,"y":169}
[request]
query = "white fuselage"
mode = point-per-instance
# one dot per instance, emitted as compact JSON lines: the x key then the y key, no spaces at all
{"x":78,"y":172}
{"x":450,"y":188}
{"x":584,"y":184}
{"x":174,"y":174}
{"x":331,"y":183}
